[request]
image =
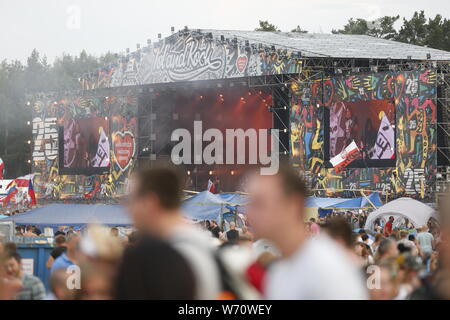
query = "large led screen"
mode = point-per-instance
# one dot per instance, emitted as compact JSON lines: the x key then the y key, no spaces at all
{"x":371,"y":124}
{"x":84,"y":146}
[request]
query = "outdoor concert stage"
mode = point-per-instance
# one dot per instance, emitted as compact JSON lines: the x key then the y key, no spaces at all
{"x":319,"y":91}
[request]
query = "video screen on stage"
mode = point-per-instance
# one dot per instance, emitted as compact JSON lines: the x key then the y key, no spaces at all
{"x":84,"y":146}
{"x":371,"y":124}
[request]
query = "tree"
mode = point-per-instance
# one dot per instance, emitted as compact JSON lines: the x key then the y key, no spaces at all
{"x":384,"y":27}
{"x":380,"y":28}
{"x":266,"y":26}
{"x":414,"y":31}
{"x":299,"y":30}
{"x":358,"y":26}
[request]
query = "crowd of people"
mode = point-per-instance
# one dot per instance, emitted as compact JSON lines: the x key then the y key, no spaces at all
{"x":271,"y":254}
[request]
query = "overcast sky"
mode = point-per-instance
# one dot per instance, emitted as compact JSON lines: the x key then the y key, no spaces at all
{"x":57,"y":26}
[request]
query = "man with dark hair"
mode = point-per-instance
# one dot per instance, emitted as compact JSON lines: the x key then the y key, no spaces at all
{"x":153,"y":270}
{"x":388,"y":227}
{"x":154,"y":204}
{"x":339,"y":230}
{"x":276,"y":211}
{"x":32,"y":287}
{"x":60,"y":248}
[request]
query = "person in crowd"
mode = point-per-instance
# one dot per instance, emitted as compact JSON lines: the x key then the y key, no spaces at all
{"x":387,"y":250}
{"x":276,"y":211}
{"x":29,"y":232}
{"x":60,"y":248}
{"x":60,"y":231}
{"x":19,"y":232}
{"x":388,"y":227}
{"x":115,"y":232}
{"x":366,"y":240}
{"x":70,"y":256}
{"x":58,"y":286}
{"x":314,"y":227}
{"x":436,"y":285}
{"x":232,"y":235}
{"x":215,"y":229}
{"x":404,"y":240}
{"x":141,"y":276}
{"x":426,"y":242}
{"x":155,"y":206}
{"x":409,"y":267}
{"x":32,"y":287}
{"x":382,"y":280}
{"x":363,"y":250}
{"x":37,"y":231}
{"x":341,"y":232}
{"x":246,"y":234}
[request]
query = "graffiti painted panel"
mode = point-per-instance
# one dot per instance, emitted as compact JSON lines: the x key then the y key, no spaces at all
{"x":414,"y":94}
{"x":120,"y":112}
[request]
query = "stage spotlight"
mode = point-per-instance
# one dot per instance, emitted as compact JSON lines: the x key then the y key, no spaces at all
{"x":106,"y":118}
{"x":285,"y":130}
{"x":28,"y":123}
{"x":232,"y":172}
{"x":210,"y":172}
{"x":28,"y":103}
{"x":201,"y":97}
{"x":29,"y":141}
{"x":189,"y":172}
{"x":29,"y":161}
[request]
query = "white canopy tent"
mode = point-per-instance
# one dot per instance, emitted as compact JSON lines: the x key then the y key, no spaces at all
{"x":415,"y":211}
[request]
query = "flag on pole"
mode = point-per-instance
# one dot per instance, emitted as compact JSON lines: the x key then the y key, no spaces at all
{"x":211,"y":188}
{"x":31,"y":193}
{"x":2,"y":168}
{"x":11,"y":193}
{"x":343,"y":159}
{"x":22,"y":182}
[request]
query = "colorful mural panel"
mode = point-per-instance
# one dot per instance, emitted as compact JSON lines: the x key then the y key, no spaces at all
{"x":50,"y":112}
{"x":414,"y":94}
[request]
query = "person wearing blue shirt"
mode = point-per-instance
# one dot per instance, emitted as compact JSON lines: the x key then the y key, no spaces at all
{"x":68,"y":258}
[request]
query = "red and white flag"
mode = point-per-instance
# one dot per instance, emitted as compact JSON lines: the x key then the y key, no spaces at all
{"x":343,"y":159}
{"x":211,"y":188}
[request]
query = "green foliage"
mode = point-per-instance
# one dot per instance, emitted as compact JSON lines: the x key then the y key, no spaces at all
{"x":299,"y":30}
{"x":431,"y":32}
{"x":266,"y":26}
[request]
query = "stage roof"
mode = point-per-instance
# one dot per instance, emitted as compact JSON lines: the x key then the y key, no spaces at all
{"x":335,"y":45}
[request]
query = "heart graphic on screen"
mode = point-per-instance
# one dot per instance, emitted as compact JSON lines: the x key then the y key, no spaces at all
{"x":124,"y":147}
{"x":241,"y":63}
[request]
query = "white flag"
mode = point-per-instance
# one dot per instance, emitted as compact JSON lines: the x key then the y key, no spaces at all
{"x":384,"y":146}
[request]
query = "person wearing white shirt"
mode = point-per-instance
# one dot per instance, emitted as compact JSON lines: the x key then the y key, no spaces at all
{"x":316,"y":268}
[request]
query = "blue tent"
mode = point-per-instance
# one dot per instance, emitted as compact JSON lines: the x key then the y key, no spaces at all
{"x":203,"y":206}
{"x":360,"y":202}
{"x":234,"y":198}
{"x":2,"y":216}
{"x":77,"y":215}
